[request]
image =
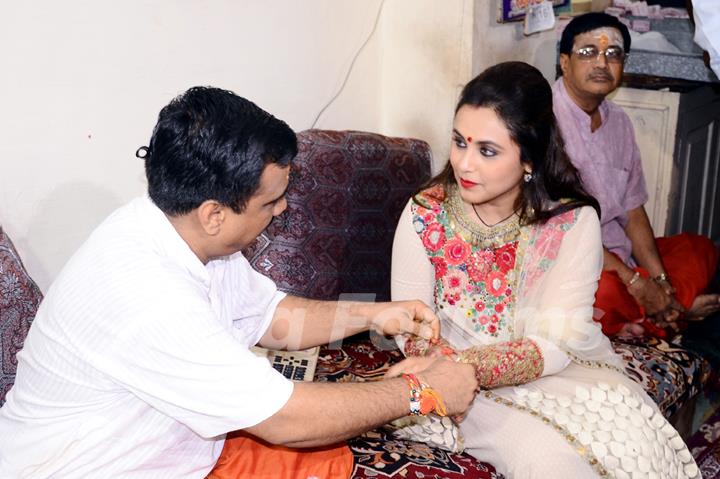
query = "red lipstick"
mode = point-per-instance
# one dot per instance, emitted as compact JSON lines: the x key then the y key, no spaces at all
{"x":467,"y":184}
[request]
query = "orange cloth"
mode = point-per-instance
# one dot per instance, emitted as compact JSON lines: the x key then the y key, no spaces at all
{"x":244,"y":457}
{"x":690,"y":261}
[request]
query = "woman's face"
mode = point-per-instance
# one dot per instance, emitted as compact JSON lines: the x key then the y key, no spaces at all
{"x":486,"y":161}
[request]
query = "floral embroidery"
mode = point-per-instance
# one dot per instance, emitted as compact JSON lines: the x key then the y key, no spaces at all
{"x":416,"y":346}
{"x":440,"y":266}
{"x":433,"y":237}
{"x":505,"y":364}
{"x":505,"y":257}
{"x":544,"y":246}
{"x":501,"y":364}
{"x":456,"y":251}
{"x":454,"y":284}
{"x":479,"y":281}
{"x":495,"y":283}
{"x":479,"y":265}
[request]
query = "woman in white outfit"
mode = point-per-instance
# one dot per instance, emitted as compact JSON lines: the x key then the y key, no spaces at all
{"x":506,"y":243}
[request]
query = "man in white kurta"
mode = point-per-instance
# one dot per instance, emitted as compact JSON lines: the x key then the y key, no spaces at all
{"x":137,"y":363}
{"x":142,"y":355}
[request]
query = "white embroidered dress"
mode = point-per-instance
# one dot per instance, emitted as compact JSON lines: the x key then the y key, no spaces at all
{"x":582,"y":417}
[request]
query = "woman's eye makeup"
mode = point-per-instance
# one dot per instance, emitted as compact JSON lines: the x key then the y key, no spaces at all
{"x":487,"y":151}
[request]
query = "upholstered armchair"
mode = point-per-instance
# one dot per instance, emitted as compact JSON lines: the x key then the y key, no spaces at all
{"x":347,"y":190}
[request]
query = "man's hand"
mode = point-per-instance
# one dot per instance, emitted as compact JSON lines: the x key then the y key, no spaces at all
{"x":399,"y":317}
{"x":456,"y":382}
{"x":655,"y":299}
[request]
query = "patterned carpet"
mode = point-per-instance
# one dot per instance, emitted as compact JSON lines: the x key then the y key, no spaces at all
{"x":705,"y":447}
{"x":668,"y":373}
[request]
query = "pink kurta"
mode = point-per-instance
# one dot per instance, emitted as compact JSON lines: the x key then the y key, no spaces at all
{"x":609,"y":162}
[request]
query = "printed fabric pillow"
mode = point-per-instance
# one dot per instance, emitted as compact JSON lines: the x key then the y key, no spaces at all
{"x":19,"y":299}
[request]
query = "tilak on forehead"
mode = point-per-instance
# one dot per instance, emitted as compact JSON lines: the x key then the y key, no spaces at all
{"x":604,"y":37}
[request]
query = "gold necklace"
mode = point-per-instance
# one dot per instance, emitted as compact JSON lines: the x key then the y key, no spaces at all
{"x":481,"y":235}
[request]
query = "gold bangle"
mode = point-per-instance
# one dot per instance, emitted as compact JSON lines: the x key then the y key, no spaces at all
{"x":634,"y":279}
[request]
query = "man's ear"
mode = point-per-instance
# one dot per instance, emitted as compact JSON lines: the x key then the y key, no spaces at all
{"x":564,"y":62}
{"x":211,"y":215}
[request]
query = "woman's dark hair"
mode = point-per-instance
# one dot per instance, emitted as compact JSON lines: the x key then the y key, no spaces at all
{"x":589,"y":22}
{"x":210,"y":144}
{"x":522,"y":98}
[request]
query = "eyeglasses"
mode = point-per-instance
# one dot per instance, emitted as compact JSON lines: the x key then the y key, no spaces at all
{"x":612,"y":54}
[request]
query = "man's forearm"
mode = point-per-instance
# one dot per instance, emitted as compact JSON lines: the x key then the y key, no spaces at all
{"x":613,"y":263}
{"x":301,"y":323}
{"x":318,"y":414}
{"x":641,"y":236}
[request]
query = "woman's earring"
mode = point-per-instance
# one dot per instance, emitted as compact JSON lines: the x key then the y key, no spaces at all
{"x":527,"y":177}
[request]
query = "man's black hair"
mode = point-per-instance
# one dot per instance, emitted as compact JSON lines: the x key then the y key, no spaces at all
{"x":210,"y":144}
{"x":588,"y":22}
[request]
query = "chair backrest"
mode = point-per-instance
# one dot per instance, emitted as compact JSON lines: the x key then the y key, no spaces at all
{"x":346,"y":193}
{"x":19,"y":300}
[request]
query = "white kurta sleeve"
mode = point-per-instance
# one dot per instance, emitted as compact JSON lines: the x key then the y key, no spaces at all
{"x":177,"y":356}
{"x":554,"y":359}
{"x":243,"y":296}
{"x":412,"y":274}
{"x":559,"y":308}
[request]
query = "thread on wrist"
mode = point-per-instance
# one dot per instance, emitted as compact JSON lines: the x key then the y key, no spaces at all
{"x":423,"y":398}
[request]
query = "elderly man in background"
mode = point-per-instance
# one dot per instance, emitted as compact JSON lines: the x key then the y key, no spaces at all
{"x":648,"y":285}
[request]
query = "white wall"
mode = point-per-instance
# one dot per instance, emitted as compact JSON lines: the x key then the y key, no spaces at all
{"x":432,"y":49}
{"x":427,"y":59}
{"x":499,"y":42}
{"x":83,"y":81}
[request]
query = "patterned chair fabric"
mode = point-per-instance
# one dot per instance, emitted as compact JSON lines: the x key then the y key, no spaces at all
{"x":347,"y":190}
{"x":19,"y":299}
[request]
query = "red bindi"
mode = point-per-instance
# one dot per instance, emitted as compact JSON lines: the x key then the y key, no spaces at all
{"x":469,"y":139}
